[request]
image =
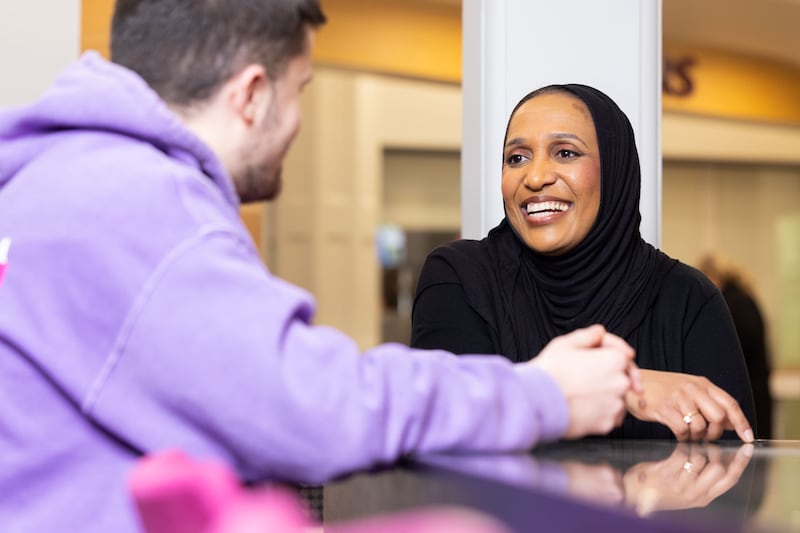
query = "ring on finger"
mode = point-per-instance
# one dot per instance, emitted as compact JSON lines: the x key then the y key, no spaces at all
{"x":688,"y":417}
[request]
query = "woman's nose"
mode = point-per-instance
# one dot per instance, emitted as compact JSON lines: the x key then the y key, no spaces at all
{"x":539,"y":175}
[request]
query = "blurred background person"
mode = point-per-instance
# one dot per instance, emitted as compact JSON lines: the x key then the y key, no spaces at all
{"x":738,"y":292}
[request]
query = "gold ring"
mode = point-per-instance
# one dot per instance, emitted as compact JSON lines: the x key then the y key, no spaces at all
{"x":688,"y":417}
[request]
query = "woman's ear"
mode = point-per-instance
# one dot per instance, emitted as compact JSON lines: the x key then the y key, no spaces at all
{"x":250,"y":92}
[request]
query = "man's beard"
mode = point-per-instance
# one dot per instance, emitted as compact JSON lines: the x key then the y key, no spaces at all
{"x":259,"y":183}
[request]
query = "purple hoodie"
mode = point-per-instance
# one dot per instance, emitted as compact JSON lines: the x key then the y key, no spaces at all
{"x":136,"y":315}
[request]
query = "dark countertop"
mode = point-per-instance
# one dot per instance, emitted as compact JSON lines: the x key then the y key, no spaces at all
{"x":596,"y":485}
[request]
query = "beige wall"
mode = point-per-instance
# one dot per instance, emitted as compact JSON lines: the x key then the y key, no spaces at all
{"x":739,"y":210}
{"x":421,"y":190}
{"x":706,"y":138}
{"x":320,"y":233}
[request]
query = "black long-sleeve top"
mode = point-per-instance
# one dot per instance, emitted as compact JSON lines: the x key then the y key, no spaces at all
{"x":688,"y":327}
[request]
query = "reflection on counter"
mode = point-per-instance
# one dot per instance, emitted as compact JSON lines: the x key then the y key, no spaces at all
{"x":722,"y":486}
{"x":688,"y":482}
{"x":664,"y":476}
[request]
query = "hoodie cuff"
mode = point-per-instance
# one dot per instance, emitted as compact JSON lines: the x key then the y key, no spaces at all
{"x":548,"y":402}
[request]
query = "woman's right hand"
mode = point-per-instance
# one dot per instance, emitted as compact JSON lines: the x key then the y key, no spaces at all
{"x":594,"y":370}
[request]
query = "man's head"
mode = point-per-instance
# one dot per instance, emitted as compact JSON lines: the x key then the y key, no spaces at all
{"x":231,"y":69}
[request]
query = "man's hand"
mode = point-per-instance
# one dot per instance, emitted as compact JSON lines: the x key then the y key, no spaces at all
{"x":594,"y":370}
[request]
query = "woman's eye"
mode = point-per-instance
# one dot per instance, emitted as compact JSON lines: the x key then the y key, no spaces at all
{"x":514,"y":159}
{"x":566,"y":154}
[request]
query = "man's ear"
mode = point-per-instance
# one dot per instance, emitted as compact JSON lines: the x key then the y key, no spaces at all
{"x":250,"y":91}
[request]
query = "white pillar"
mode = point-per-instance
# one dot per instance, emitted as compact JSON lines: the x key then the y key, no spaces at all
{"x":514,"y":46}
{"x":37,"y":39}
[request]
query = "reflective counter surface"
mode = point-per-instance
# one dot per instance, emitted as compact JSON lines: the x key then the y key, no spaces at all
{"x":602,"y":484}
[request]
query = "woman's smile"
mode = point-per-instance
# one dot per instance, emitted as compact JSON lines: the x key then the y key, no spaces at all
{"x":542,"y":211}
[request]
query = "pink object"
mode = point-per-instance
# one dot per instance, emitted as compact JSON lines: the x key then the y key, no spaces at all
{"x":5,"y":244}
{"x":174,"y":494}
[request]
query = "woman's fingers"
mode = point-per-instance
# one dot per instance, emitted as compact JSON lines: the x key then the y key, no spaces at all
{"x":696,"y":424}
{"x":735,"y":418}
{"x":721,"y":411}
{"x":680,"y":414}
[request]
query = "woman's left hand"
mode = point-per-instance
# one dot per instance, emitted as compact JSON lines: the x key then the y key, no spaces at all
{"x":692,"y":407}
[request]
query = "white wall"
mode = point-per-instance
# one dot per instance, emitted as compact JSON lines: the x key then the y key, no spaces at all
{"x":37,"y":39}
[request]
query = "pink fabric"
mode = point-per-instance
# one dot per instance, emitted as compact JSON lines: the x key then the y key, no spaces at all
{"x":175,"y":494}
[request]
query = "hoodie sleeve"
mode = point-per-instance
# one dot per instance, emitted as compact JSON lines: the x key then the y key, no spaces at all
{"x":219,"y":357}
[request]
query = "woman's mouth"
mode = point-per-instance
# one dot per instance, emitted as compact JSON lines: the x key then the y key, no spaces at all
{"x":543,"y":210}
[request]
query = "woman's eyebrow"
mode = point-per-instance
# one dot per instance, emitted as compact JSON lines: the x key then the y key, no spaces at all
{"x":516,"y":141}
{"x":559,"y":135}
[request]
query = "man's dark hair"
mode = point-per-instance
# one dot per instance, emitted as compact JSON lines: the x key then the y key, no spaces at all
{"x":186,"y":49}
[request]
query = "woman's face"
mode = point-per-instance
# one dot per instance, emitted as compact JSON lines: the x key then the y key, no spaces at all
{"x":551,"y":173}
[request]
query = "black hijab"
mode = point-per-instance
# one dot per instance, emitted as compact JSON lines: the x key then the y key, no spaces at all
{"x":612,"y":277}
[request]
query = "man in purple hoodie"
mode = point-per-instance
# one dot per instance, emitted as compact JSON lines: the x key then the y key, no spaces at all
{"x":136,"y":314}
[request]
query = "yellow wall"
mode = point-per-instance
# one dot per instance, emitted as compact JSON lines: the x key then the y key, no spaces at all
{"x":732,"y":85}
{"x":402,"y":37}
{"x":96,"y":25}
{"x":423,"y":40}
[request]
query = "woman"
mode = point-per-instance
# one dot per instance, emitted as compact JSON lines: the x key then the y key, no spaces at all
{"x":569,"y":254}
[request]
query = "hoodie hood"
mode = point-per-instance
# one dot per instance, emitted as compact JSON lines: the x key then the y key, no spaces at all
{"x":95,"y":94}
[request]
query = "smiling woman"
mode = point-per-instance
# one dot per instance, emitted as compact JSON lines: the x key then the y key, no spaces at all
{"x":569,"y":254}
